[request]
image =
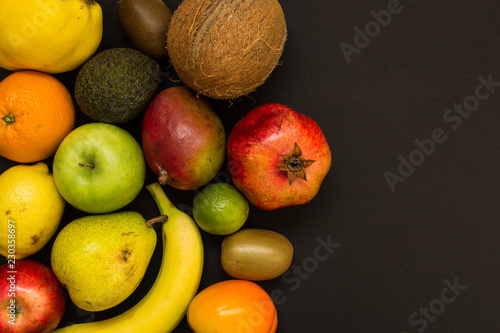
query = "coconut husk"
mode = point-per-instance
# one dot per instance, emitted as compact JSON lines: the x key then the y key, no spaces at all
{"x":225,"y":49}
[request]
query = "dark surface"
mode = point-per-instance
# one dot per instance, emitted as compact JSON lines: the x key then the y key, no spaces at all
{"x":396,"y":251}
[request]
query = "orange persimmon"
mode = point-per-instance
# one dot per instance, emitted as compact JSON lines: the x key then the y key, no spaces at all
{"x":232,"y":306}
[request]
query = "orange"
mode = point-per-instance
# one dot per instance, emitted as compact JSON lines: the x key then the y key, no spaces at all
{"x":36,"y":113}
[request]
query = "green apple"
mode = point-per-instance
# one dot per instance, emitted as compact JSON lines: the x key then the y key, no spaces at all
{"x":99,"y":168}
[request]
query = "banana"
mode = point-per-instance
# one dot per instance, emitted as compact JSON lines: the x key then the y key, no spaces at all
{"x":165,"y":305}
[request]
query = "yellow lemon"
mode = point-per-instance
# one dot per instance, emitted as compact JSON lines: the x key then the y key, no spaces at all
{"x":51,"y":36}
{"x":31,"y":209}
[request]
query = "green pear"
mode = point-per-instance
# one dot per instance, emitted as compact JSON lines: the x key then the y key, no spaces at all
{"x":101,"y":259}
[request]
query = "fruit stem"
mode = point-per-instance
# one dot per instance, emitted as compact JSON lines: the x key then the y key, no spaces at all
{"x":88,"y":165}
{"x":9,"y":119}
{"x":18,"y":310}
{"x":89,"y":3}
{"x":164,"y":204}
{"x":163,"y":178}
{"x":158,"y":219}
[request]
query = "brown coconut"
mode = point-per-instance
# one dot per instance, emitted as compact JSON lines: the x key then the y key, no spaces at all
{"x":225,"y":49}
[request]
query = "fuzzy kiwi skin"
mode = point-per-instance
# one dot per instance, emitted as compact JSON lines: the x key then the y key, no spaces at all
{"x":145,"y":23}
{"x":256,"y":254}
{"x":116,"y":85}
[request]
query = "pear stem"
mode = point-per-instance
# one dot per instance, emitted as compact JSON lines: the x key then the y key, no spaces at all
{"x":158,"y":219}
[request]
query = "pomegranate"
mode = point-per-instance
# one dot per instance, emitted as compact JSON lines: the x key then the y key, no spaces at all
{"x":277,"y":157}
{"x":183,"y":139}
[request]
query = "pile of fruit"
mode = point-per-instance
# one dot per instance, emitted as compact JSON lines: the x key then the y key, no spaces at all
{"x":277,"y":158}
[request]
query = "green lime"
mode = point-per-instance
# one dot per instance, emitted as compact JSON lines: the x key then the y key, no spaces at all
{"x":220,"y":209}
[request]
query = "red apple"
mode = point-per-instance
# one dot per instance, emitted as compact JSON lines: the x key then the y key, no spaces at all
{"x":31,"y":298}
{"x":277,"y":157}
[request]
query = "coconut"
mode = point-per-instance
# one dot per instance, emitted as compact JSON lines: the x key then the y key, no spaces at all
{"x":225,"y":49}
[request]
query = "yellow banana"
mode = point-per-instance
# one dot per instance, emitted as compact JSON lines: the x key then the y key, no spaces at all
{"x":165,"y":305}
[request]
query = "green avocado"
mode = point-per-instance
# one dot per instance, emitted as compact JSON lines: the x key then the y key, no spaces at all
{"x":117,"y":85}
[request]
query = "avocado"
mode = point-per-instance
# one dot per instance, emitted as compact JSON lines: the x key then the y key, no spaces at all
{"x":116,"y":85}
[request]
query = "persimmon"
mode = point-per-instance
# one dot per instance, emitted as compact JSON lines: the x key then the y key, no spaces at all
{"x":232,"y":306}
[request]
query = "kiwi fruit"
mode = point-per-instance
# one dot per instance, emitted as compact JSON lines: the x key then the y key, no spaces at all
{"x":256,"y":254}
{"x":145,"y":23}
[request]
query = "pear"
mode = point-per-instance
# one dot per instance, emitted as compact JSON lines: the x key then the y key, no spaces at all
{"x":101,"y":259}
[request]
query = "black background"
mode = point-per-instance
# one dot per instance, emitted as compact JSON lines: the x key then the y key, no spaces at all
{"x":395,"y":248}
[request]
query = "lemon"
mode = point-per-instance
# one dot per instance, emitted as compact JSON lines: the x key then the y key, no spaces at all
{"x":220,"y":209}
{"x":31,"y":209}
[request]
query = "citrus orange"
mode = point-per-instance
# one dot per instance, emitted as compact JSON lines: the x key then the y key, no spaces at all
{"x":36,"y":113}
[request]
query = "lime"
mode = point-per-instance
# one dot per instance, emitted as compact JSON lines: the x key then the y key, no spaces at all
{"x":220,"y":209}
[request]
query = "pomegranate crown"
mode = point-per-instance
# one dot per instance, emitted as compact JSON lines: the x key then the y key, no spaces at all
{"x":294,"y":164}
